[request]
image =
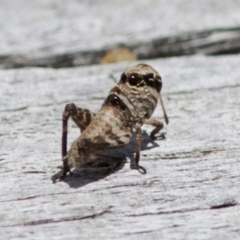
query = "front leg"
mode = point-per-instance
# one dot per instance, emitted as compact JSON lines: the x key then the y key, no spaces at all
{"x":138,"y":149}
{"x":158,"y":126}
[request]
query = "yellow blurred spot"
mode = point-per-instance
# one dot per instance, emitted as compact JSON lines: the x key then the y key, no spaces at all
{"x":118,"y":55}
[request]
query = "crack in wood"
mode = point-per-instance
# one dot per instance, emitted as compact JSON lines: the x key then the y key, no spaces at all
{"x":225,"y":205}
{"x":208,"y":42}
{"x":34,"y":172}
{"x":167,"y":212}
{"x":66,"y":219}
{"x":139,"y":232}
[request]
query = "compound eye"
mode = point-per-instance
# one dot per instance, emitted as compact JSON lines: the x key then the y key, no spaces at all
{"x":158,"y":82}
{"x":148,"y":76}
{"x":149,"y":80}
{"x":123,"y":77}
{"x":134,"y":79}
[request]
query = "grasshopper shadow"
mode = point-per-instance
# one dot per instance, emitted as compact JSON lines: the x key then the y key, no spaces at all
{"x":92,"y":172}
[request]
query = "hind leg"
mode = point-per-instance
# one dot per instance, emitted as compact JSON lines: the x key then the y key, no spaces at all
{"x":82,"y":118}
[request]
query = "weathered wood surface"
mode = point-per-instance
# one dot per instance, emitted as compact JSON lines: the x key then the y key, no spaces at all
{"x":191,"y":189}
{"x":71,"y":33}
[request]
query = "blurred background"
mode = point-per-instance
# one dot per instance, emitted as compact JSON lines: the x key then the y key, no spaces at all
{"x":67,"y":33}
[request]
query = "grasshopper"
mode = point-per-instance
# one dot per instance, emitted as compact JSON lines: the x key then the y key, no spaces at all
{"x":129,"y":105}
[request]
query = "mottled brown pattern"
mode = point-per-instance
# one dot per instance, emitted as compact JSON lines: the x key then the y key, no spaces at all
{"x":82,"y":117}
{"x":128,"y":106}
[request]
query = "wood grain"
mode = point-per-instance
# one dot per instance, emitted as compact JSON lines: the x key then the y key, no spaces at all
{"x":191,"y":189}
